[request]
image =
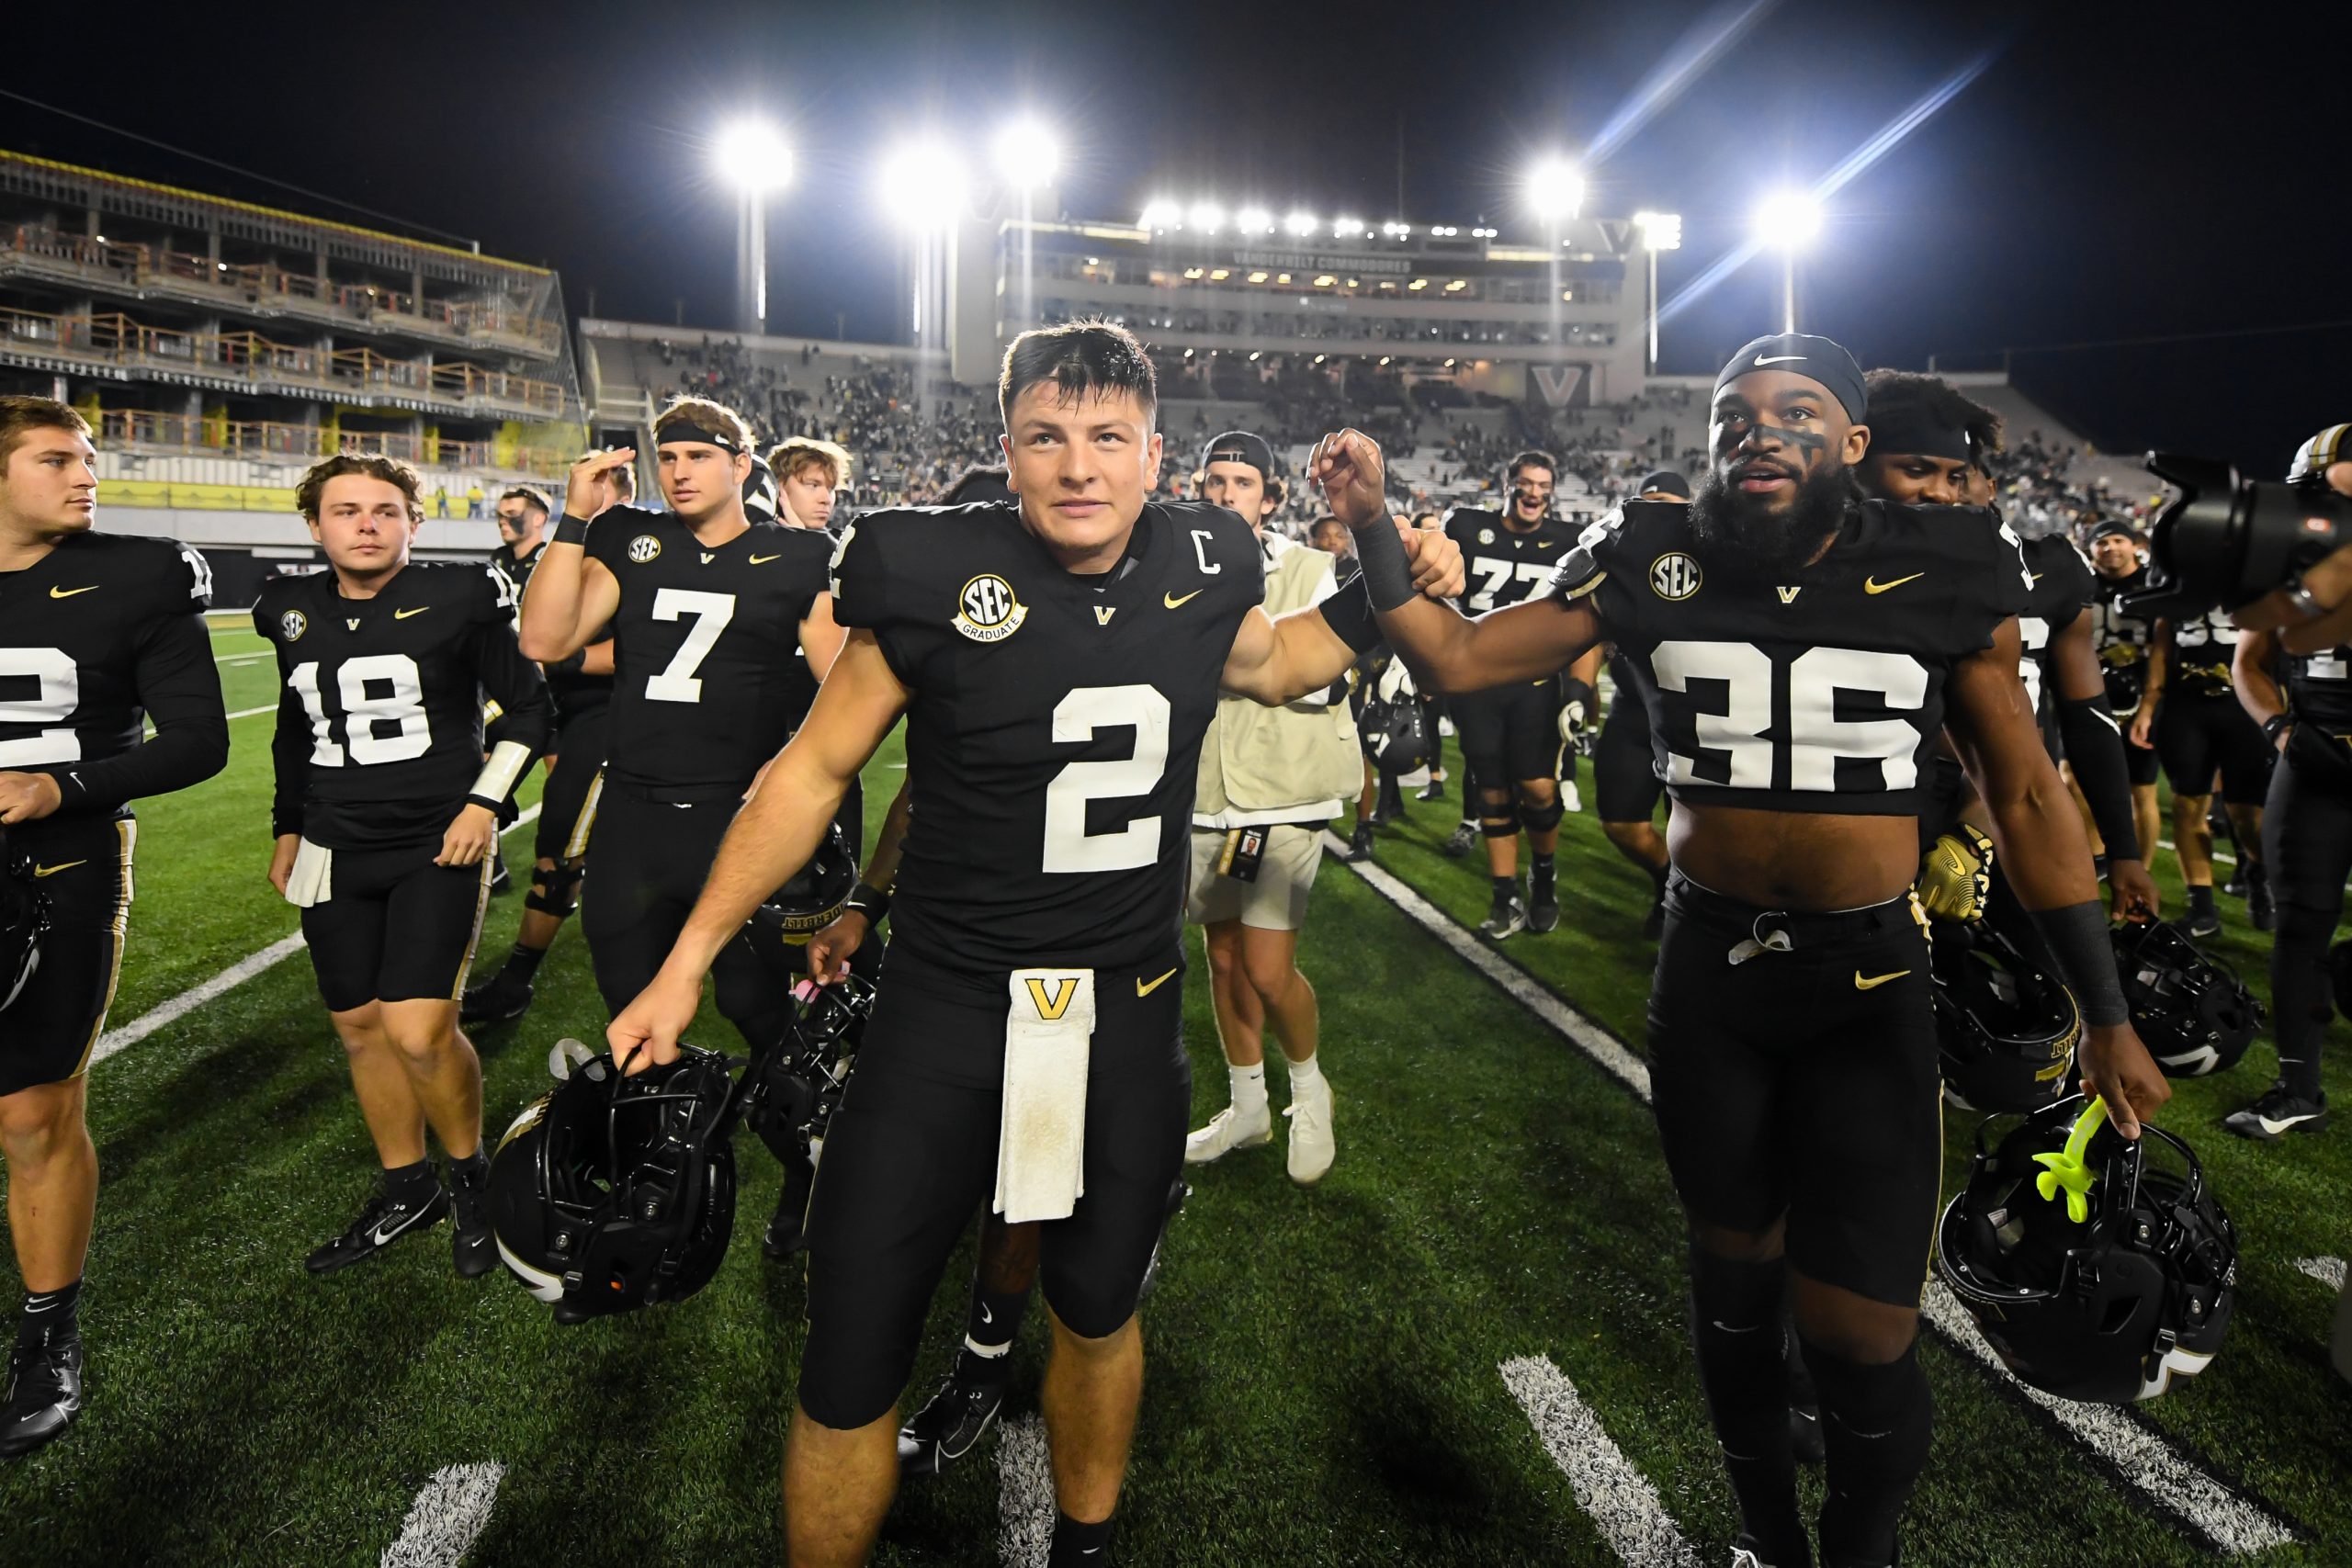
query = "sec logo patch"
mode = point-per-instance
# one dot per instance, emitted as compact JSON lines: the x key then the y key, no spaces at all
{"x":644,"y":549}
{"x":1674,"y":576}
{"x":293,"y":624}
{"x":987,"y":610}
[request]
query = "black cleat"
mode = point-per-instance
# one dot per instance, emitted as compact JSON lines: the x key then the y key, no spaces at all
{"x":1433,"y":790}
{"x":2279,"y":1111}
{"x":44,"y":1394}
{"x":1543,"y":915}
{"x":2261,"y":910}
{"x":787,"y":1227}
{"x":2202,"y":923}
{"x":957,"y":1417}
{"x":472,"y":1243}
{"x":1507,"y":919}
{"x":384,"y":1221}
{"x":1460,"y":844}
{"x":499,"y":999}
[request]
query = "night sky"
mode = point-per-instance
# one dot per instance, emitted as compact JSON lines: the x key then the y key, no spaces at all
{"x":2116,"y":173}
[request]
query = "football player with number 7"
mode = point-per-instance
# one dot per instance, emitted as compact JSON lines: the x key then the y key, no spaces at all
{"x":1799,"y":649}
{"x":1057,"y":659}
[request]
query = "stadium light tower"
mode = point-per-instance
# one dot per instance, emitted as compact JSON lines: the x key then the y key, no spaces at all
{"x":1027,"y":157}
{"x":1659,"y":231}
{"x":1788,"y":222}
{"x":751,"y":156}
{"x":923,"y":189}
{"x":1554,"y":190}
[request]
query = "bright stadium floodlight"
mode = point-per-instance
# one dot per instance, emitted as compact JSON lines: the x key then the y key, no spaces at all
{"x":1555,"y":189}
{"x":923,"y":186}
{"x":1027,"y":156}
{"x":1345,"y":227}
{"x":1162,"y":213}
{"x":1254,"y":220}
{"x":750,"y":155}
{"x":1301,"y":223}
{"x":1660,"y":230}
{"x":1788,"y":221}
{"x":1206,"y":216}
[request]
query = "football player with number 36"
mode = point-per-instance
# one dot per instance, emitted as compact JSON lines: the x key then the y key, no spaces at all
{"x":101,"y":633}
{"x":1800,"y":648}
{"x":1057,"y":659}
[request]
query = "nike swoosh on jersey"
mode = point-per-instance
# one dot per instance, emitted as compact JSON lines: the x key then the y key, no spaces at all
{"x":1171,"y":600}
{"x":404,"y":614}
{"x":69,"y":592}
{"x":763,"y":560}
{"x":1873,"y":982}
{"x":1779,"y":358}
{"x":1872,"y":585}
{"x":54,"y":870}
{"x":1143,"y":990}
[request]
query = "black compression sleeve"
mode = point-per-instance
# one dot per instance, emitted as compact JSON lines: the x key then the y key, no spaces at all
{"x":1348,"y":613}
{"x":1387,"y":572}
{"x":2094,"y":751}
{"x":2078,"y":939}
{"x":289,"y":760}
{"x":179,"y":686}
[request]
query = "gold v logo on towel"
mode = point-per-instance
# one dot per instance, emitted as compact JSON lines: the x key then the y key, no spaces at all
{"x":1051,"y":1012}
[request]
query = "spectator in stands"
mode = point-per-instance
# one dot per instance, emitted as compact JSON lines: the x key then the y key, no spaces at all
{"x":473,"y":498}
{"x":1330,"y":536}
{"x":810,"y":473}
{"x":441,"y":502}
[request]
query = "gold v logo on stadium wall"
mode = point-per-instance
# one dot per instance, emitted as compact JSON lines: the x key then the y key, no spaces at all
{"x":1051,"y":1012}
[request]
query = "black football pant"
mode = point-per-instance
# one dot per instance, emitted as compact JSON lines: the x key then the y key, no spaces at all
{"x":2307,"y":848}
{"x":395,"y":927}
{"x":646,"y":866}
{"x":2195,"y":736}
{"x":81,"y":864}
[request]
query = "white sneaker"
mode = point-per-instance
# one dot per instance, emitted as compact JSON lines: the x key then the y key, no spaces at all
{"x":1228,"y":1132}
{"x":1311,"y":1148}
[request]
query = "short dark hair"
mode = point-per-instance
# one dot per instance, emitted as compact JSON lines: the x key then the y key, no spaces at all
{"x":1931,"y":400}
{"x":311,"y":491}
{"x":535,"y":499}
{"x":976,"y":484}
{"x":1082,"y":358}
{"x":21,"y":415}
{"x":1533,"y":457}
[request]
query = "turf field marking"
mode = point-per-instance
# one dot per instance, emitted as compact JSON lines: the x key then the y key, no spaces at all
{"x":250,"y":713}
{"x":447,"y":1517}
{"x":2328,"y":1271}
{"x":2141,"y":1456}
{"x":1619,"y":1499}
{"x":229,"y":979}
{"x":237,"y":658}
{"x":1025,"y":1498}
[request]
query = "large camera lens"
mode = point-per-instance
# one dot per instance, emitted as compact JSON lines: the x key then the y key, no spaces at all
{"x":2228,"y":539}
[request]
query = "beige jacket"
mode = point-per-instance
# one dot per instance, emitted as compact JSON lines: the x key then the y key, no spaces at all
{"x":1294,"y":763}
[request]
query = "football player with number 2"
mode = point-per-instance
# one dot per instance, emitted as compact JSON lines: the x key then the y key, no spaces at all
{"x":385,"y":815}
{"x":102,"y":634}
{"x":1800,"y":649}
{"x":1057,"y":659}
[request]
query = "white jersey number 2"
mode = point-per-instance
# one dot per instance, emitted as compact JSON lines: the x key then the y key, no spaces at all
{"x":1069,"y":848}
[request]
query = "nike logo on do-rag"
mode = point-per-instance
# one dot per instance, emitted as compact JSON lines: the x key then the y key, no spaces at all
{"x":1777,"y":358}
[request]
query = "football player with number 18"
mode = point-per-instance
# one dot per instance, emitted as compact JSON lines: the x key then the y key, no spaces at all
{"x":98,"y":634}
{"x":1057,"y":659}
{"x":1800,"y":648}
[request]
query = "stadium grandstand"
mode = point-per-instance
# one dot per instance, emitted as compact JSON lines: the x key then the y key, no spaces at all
{"x":219,"y":348}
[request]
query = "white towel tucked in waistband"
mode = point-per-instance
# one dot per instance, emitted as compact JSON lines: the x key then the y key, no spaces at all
{"x":313,"y":879}
{"x":1041,"y":1141}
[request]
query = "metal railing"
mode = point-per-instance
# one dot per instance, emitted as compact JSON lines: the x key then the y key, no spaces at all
{"x":200,"y":436}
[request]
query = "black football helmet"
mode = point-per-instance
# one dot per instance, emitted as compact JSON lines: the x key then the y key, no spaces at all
{"x":813,"y":898}
{"x":2191,"y":1009}
{"x":761,"y":498}
{"x":612,"y":1193}
{"x":24,"y":920}
{"x":2099,"y":1269}
{"x":2006,"y":1025}
{"x":795,"y":1090}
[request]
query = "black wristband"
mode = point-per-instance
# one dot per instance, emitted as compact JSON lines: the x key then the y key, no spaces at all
{"x":1387,"y":570}
{"x":570,"y":530}
{"x":874,"y":903}
{"x":2078,"y":939}
{"x":2275,"y":726}
{"x":1348,"y":613}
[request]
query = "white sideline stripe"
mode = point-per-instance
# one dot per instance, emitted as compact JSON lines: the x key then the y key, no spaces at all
{"x":447,"y":1517}
{"x":2145,"y":1458}
{"x":2221,"y":857}
{"x":237,"y":658}
{"x":229,"y":979}
{"x":1619,"y":1499}
{"x":2328,"y":1271}
{"x":248,"y":712}
{"x":1025,"y":1498}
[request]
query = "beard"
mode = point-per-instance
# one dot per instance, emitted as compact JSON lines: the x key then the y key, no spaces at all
{"x":1765,"y":542}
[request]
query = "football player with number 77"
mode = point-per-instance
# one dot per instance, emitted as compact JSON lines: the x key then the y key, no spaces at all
{"x":1800,"y":648}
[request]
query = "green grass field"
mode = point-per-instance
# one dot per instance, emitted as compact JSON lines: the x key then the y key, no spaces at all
{"x":1324,"y":1381}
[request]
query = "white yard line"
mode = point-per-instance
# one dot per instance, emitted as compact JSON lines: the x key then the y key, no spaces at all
{"x":1024,"y":1496}
{"x":2221,"y":857}
{"x":229,"y":979}
{"x":237,"y":658}
{"x":2162,"y":1473}
{"x":2328,"y":1271}
{"x":447,"y":1517}
{"x":1621,"y":1504}
{"x":250,"y":713}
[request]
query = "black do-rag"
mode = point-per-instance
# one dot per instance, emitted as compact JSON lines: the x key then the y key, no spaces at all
{"x":1916,"y":432}
{"x":1665,"y":481}
{"x":1240,"y":447}
{"x":1815,"y":359}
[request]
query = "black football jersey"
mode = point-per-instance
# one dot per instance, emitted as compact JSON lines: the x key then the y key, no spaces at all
{"x":1822,"y":693}
{"x":706,"y":667}
{"x":1504,"y":566}
{"x":98,"y":636}
{"x":2319,"y":688}
{"x":2063,"y":585}
{"x":2122,"y":641}
{"x":1055,"y":729}
{"x":380,"y":715}
{"x":2203,"y":648}
{"x":573,"y":692}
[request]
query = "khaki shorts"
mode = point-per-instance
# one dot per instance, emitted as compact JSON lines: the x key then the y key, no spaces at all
{"x":1276,"y":901}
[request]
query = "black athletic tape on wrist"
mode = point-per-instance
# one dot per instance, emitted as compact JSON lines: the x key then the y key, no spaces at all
{"x":1348,"y":613}
{"x":2093,"y":744}
{"x":570,"y":530}
{"x":2078,"y":939}
{"x":1387,"y":570}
